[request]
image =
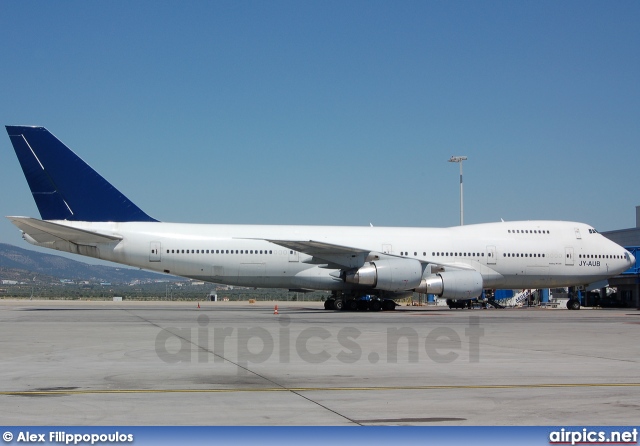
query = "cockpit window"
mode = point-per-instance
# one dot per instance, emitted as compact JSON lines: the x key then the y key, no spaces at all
{"x":592,"y":231}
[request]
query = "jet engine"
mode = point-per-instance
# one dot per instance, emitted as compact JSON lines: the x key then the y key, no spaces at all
{"x":387,"y":274}
{"x":452,"y":284}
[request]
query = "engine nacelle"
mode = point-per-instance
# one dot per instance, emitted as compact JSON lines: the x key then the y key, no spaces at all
{"x":452,"y":284}
{"x":388,"y":274}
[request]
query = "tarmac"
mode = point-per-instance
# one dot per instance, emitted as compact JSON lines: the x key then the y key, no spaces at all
{"x":228,"y":363}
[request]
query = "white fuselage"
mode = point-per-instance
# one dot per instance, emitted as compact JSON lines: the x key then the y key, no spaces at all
{"x":524,"y":254}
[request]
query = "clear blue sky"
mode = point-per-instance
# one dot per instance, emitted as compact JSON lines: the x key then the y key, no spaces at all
{"x":345,"y":113}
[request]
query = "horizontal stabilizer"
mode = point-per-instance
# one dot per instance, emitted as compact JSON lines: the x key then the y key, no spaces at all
{"x":45,"y":231}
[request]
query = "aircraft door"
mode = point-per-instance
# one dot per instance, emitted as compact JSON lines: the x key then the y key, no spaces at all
{"x":491,"y":255}
{"x":568,"y":256}
{"x":387,"y":249}
{"x":154,"y":252}
{"x":293,"y":256}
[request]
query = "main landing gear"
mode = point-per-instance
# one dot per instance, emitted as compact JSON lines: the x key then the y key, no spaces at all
{"x":359,"y":303}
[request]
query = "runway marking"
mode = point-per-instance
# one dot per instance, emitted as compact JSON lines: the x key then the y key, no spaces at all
{"x":307,"y":389}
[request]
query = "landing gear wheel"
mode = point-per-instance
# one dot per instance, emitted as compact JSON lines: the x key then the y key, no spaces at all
{"x":352,"y":305}
{"x":573,"y":304}
{"x":375,"y":306}
{"x":328,"y":304}
{"x":388,"y":305}
{"x":338,"y":305}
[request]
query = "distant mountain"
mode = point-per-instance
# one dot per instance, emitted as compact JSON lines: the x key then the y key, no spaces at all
{"x":17,"y":263}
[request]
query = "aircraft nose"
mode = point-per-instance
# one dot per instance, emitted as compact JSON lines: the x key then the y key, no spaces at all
{"x":632,"y":260}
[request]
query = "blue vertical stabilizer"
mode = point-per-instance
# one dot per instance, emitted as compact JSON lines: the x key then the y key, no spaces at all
{"x":83,"y":195}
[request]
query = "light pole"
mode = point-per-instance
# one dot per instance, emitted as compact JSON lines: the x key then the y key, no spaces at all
{"x":459,"y":160}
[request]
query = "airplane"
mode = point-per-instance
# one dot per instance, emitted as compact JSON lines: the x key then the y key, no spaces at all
{"x":83,"y":213}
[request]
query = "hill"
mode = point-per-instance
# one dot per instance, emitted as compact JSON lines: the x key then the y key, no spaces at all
{"x":24,"y":265}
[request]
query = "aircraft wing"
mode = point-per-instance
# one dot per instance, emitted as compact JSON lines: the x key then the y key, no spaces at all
{"x":346,"y":256}
{"x":315,"y":248}
{"x":334,"y":256}
{"x":46,"y":231}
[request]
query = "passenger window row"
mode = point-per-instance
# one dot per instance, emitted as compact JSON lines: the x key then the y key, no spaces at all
{"x":508,"y":254}
{"x":219,"y":251}
{"x":599,"y":256}
{"x":528,"y":231}
{"x":458,"y":254}
{"x":446,"y":254}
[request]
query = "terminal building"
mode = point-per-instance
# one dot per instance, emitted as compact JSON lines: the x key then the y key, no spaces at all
{"x":628,"y":283}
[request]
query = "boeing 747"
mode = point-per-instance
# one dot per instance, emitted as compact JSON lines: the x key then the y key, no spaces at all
{"x":83,"y":213}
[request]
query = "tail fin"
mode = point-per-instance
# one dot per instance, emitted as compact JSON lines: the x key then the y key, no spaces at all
{"x":65,"y":187}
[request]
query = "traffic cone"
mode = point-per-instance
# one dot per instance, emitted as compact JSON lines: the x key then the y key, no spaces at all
{"x":198,"y":304}
{"x":275,"y":310}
